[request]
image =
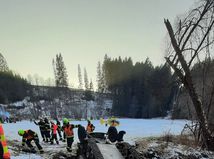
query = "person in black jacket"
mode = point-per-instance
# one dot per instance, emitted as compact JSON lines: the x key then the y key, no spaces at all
{"x":41,"y":125}
{"x":47,"y":130}
{"x":113,"y":134}
{"x":59,"y":129}
{"x":82,"y":135}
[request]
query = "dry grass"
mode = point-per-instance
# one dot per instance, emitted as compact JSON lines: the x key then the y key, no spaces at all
{"x":185,"y":140}
{"x":161,"y":143}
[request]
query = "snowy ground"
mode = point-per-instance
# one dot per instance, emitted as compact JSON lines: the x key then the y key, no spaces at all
{"x":135,"y":129}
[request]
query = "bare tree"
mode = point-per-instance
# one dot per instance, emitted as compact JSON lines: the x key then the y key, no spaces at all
{"x":191,"y":40}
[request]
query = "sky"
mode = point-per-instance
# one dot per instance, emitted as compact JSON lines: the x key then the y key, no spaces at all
{"x":32,"y":32}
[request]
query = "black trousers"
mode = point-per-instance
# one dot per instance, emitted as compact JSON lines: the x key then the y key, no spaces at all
{"x":64,"y":136}
{"x":59,"y":133}
{"x":47,"y":135}
{"x":83,"y":145}
{"x":36,"y":140}
{"x":42,"y":133}
{"x":54,"y":137}
{"x":70,"y":141}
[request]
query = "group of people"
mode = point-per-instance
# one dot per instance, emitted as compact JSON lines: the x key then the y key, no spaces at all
{"x":50,"y":130}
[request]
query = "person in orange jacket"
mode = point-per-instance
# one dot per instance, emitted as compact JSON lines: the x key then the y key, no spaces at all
{"x":27,"y":137}
{"x":69,"y":133}
{"x":90,"y":127}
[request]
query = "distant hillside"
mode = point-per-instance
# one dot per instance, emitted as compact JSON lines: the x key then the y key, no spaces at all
{"x":61,"y":102}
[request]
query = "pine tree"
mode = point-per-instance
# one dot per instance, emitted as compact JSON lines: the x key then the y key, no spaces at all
{"x":91,"y":86}
{"x":3,"y":64}
{"x":61,"y":77}
{"x":86,"y":79}
{"x":80,"y":77}
{"x":99,"y":77}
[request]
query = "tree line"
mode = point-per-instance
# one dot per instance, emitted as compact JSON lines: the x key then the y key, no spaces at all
{"x":139,"y":90}
{"x":12,"y":86}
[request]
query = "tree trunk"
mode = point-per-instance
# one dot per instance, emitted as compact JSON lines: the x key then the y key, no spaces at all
{"x":186,"y":79}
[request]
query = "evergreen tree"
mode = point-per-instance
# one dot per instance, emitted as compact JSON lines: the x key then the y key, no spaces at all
{"x":61,"y":77}
{"x":100,"y":78}
{"x":80,"y":77}
{"x":3,"y":64}
{"x":91,"y":87}
{"x":86,"y":79}
{"x":139,"y":90}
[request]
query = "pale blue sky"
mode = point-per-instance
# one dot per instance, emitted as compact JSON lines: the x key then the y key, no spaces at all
{"x":32,"y":32}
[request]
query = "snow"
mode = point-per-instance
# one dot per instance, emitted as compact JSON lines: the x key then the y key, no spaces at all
{"x":135,"y":129}
{"x":27,"y":156}
{"x":109,"y":151}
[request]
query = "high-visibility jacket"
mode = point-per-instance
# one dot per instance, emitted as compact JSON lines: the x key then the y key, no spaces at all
{"x":68,"y":129}
{"x":4,"y":143}
{"x":29,"y":135}
{"x":90,"y":128}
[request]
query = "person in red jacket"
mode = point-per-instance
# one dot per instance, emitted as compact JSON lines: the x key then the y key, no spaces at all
{"x":69,"y":133}
{"x":27,"y":137}
{"x":54,"y":128}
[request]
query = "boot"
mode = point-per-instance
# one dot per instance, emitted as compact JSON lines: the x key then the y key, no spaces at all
{"x":32,"y":150}
{"x":41,"y":151}
{"x":69,"y":149}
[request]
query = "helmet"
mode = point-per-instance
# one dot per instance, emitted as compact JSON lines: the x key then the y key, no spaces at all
{"x":65,"y":121}
{"x":21,"y":132}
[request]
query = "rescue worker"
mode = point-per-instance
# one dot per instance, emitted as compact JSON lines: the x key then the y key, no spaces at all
{"x":113,"y":134}
{"x":54,"y":128}
{"x":82,"y":135}
{"x":59,"y":129}
{"x":41,"y":125}
{"x":68,"y":129}
{"x":27,"y":137}
{"x":47,"y":130}
{"x":90,"y":127}
{"x":63,"y":126}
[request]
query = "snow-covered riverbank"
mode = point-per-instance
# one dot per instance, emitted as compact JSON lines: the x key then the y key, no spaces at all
{"x":135,"y":129}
